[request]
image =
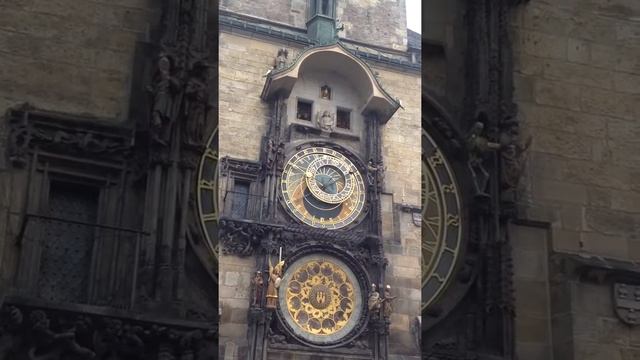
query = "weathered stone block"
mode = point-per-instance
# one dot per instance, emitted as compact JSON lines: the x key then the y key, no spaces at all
{"x":578,"y":51}
{"x":562,"y":95}
{"x":543,"y":45}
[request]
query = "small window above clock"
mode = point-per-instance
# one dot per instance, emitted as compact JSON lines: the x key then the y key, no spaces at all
{"x":343,"y":119}
{"x":303,"y":111}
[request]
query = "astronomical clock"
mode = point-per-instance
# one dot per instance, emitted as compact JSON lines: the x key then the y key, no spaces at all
{"x":207,"y":192}
{"x":322,"y":188}
{"x":441,"y":221}
{"x":309,"y":210}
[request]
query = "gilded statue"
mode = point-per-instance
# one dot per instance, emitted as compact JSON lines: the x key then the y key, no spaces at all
{"x":275,"y":276}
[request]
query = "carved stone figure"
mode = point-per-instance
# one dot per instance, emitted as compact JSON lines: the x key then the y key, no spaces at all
{"x":196,"y":106}
{"x":258,"y":284}
{"x":388,"y":302}
{"x":281,"y":60}
{"x":275,"y":276}
{"x":513,"y":156}
{"x":163,"y":91}
{"x":375,"y":301}
{"x":326,"y":121}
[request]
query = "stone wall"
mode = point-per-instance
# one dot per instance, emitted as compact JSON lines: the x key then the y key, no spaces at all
{"x":577,"y":86}
{"x":377,"y":22}
{"x":243,"y":119}
{"x":67,"y":56}
{"x":71,"y":56}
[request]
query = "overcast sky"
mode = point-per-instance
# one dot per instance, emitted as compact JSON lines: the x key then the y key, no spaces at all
{"x":414,"y":15}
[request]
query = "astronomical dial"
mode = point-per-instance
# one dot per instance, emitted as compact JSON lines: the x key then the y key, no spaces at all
{"x":208,"y":192}
{"x":323,"y":188}
{"x":441,"y":221}
{"x":320,"y":299}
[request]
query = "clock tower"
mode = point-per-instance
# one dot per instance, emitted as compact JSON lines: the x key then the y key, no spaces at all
{"x":317,"y":218}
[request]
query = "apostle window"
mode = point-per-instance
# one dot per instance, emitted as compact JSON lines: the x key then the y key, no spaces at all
{"x":343,"y":120}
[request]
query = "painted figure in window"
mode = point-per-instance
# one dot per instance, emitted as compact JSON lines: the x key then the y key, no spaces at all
{"x":325,"y":92}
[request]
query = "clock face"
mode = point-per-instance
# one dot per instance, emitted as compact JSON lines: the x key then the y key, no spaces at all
{"x":441,"y":221}
{"x":320,"y":299}
{"x":322,"y":188}
{"x":208,"y":192}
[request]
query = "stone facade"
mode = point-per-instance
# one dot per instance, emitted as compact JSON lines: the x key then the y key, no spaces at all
{"x":79,"y":270}
{"x":65,"y":57}
{"x":577,"y":86}
{"x":244,"y":119}
{"x":374,"y":22}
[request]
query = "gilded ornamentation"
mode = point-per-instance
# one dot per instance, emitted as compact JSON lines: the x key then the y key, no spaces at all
{"x":320,"y":297}
{"x":275,"y":275}
{"x":323,"y":188}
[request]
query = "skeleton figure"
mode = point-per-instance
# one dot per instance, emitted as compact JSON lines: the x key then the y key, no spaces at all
{"x":478,"y":146}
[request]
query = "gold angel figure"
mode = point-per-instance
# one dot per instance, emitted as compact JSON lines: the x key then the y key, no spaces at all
{"x":275,"y":276}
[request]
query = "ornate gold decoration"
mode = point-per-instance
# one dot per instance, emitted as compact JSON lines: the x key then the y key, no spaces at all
{"x":323,"y":188}
{"x":441,"y":221}
{"x":275,"y":274}
{"x":320,"y":297}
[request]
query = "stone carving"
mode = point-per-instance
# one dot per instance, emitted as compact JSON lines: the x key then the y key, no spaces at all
{"x":280,"y":61}
{"x":375,"y":172}
{"x":275,"y":276}
{"x":164,"y":88}
{"x":258,"y":284}
{"x":375,"y":301}
{"x":326,"y":121}
{"x":49,"y":335}
{"x":239,"y":238}
{"x":196,"y":103}
{"x":388,"y":302}
{"x":513,"y":155}
{"x":627,"y":303}
{"x":30,"y":128}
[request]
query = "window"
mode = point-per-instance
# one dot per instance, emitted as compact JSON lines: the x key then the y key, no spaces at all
{"x":304,"y":110}
{"x":68,"y":245}
{"x":240,"y":202}
{"x":343,"y":120}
